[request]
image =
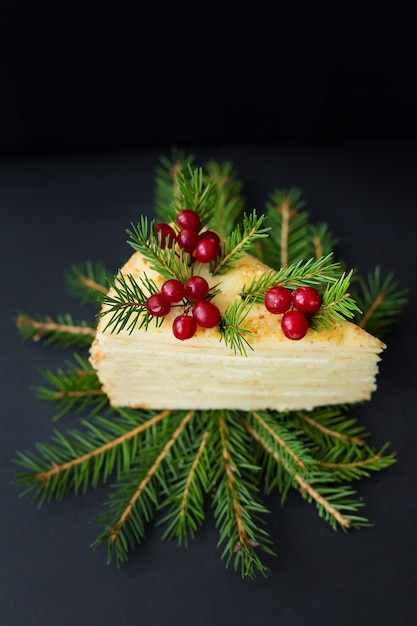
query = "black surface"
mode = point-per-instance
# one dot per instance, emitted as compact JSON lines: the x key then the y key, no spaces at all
{"x":59,"y":211}
{"x":149,"y":74}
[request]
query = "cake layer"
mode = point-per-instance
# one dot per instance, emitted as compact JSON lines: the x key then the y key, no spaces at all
{"x":152,"y":369}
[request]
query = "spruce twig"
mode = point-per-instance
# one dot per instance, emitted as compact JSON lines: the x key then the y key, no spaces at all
{"x":240,"y":240}
{"x":76,"y":388}
{"x":237,"y":507}
{"x":63,"y":331}
{"x":380,"y":301}
{"x":132,"y":506}
{"x":167,"y":261}
{"x":87,"y":281}
{"x":314,"y":272}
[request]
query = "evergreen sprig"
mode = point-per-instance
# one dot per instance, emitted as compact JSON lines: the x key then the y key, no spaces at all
{"x":286,"y":243}
{"x":228,"y":197}
{"x":166,"y":183}
{"x":86,"y":281}
{"x":75,"y":389}
{"x":79,"y":459}
{"x":337,"y":304}
{"x":232,"y":329}
{"x":197,"y":193}
{"x":125,"y":304}
{"x":314,"y":272}
{"x":240,"y":240}
{"x":167,"y":261}
{"x":186,"y":497}
{"x":380,"y":301}
{"x":135,"y":498}
{"x":321,"y":241}
{"x":238,"y":509}
{"x":62,"y":331}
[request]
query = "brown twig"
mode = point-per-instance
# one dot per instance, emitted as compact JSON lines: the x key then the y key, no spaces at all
{"x":231,"y":481}
{"x":277,"y":438}
{"x":302,"y":483}
{"x":375,"y":304}
{"x":57,"y":468}
{"x":45,"y":327}
{"x":116,"y":528}
{"x":329,"y":431}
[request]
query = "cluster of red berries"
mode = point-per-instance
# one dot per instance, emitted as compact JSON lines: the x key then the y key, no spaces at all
{"x":192,"y":294}
{"x":296,"y":306}
{"x":204,"y":246}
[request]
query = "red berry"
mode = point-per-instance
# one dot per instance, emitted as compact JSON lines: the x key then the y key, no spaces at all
{"x":278,"y":299}
{"x":173,"y":290}
{"x":294,"y":325}
{"x":306,"y":300}
{"x":166,"y":235}
{"x":196,"y":288}
{"x":206,"y":250}
{"x":206,"y":314}
{"x":188,"y":219}
{"x":157,"y":305}
{"x":210,"y":234}
{"x":187,"y":239}
{"x":184,"y":327}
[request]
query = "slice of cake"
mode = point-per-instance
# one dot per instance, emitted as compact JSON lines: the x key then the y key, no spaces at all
{"x":149,"y":367}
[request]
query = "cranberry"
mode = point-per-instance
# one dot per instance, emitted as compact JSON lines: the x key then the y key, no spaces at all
{"x":157,"y":305}
{"x":196,"y":288}
{"x":184,"y":327}
{"x":278,"y":300}
{"x":294,"y":325}
{"x":206,"y":314}
{"x":187,"y":239}
{"x":173,"y":290}
{"x":188,"y":219}
{"x":166,"y":235}
{"x":206,"y":250}
{"x":210,"y":234}
{"x":306,"y":300}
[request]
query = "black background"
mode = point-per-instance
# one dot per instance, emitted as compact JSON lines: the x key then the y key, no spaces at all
{"x":88,"y":77}
{"x":320,"y":97}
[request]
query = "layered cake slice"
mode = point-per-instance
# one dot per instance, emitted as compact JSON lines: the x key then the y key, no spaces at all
{"x":149,"y":366}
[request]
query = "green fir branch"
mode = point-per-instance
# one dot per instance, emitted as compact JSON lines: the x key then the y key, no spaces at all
{"x":334,"y":504}
{"x":240,"y":240}
{"x":321,"y":240}
{"x":134,"y":500}
{"x":337,"y":304}
{"x":166,"y":183}
{"x":283,"y":442}
{"x":228,"y":198}
{"x":167,"y":261}
{"x":318,"y":273}
{"x":330,"y":427}
{"x":337,"y":505}
{"x":75,"y":389}
{"x":288,"y":239}
{"x":125,"y":304}
{"x":86,"y":281}
{"x":76,"y":460}
{"x":197,"y":193}
{"x":238,"y":510}
{"x":380,"y":301}
{"x":232,"y":329}
{"x":354,"y":463}
{"x":186,"y":496}
{"x":62,"y":331}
